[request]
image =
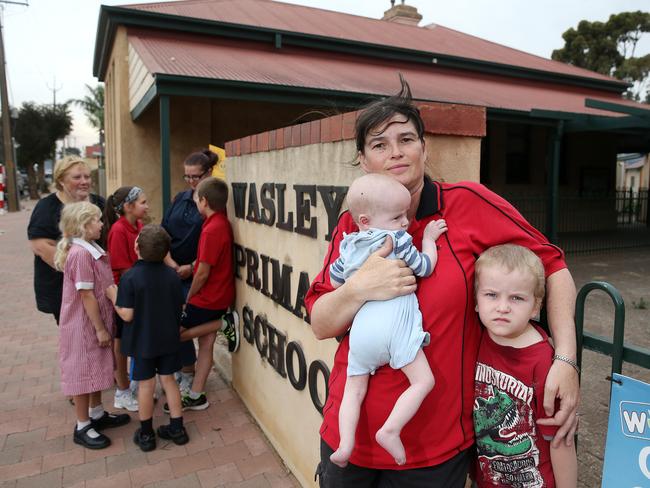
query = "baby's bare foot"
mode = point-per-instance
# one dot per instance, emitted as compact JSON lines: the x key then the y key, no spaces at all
{"x":393,"y":444}
{"x":341,"y":456}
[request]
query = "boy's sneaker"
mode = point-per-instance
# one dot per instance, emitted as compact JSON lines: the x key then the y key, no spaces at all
{"x":231,"y":330}
{"x":146,"y":442}
{"x":189,"y":403}
{"x":178,"y":437}
{"x":126,"y":400}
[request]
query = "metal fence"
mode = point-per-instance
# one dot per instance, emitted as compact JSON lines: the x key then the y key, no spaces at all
{"x":631,"y":206}
{"x":617,"y":220}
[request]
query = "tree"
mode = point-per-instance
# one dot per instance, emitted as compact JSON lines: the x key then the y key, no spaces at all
{"x":609,"y":48}
{"x":37,"y":129}
{"x":93,"y":106}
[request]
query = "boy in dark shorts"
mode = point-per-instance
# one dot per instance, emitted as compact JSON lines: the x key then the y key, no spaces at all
{"x":213,"y":289}
{"x":150,"y":301}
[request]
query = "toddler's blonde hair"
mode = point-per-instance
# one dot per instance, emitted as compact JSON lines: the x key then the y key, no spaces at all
{"x":74,"y":219}
{"x":513,"y":257}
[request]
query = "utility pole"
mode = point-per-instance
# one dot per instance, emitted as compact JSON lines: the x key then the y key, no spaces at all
{"x":10,"y":163}
{"x":54,"y":90}
{"x":12,"y":185}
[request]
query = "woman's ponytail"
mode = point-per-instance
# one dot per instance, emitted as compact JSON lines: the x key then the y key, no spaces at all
{"x":110,"y":215}
{"x":204,"y":158}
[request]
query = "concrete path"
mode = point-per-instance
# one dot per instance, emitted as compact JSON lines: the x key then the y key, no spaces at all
{"x":226,"y":447}
{"x":629,"y":272}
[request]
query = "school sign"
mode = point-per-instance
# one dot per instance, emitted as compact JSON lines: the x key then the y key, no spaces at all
{"x":627,"y":452}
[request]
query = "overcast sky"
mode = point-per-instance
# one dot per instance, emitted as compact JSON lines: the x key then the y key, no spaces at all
{"x":50,"y":44}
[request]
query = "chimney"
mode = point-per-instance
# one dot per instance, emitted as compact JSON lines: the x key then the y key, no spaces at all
{"x":402,"y":14}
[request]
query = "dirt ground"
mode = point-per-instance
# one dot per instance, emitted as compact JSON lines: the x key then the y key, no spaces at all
{"x":629,"y":272}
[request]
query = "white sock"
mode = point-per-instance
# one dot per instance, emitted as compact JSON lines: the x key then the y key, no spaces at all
{"x":122,"y":392}
{"x":92,"y":433}
{"x":96,"y":412}
{"x":194,"y":395}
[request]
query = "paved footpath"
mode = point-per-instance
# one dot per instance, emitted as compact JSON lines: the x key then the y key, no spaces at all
{"x":226,"y":447}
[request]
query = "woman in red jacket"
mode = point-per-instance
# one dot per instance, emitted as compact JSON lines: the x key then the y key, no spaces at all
{"x":439,"y":439}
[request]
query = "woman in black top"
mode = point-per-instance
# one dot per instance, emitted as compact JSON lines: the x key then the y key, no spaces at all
{"x":72,"y":183}
{"x":183,"y":223}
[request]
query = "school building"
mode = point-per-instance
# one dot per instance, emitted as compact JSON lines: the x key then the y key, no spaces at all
{"x":277,"y":85}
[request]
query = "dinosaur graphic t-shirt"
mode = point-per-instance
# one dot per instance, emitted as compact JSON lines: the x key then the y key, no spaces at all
{"x":513,"y":451}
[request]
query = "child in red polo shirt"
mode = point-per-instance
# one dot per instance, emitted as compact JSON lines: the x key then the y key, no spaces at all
{"x":212,"y":290}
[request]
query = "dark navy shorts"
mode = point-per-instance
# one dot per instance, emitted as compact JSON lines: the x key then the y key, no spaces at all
{"x":147,"y":368}
{"x":187,"y":353}
{"x":450,"y":474}
{"x":193,"y":316}
{"x":119,"y":326}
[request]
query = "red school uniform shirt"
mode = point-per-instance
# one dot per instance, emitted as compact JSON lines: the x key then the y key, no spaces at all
{"x":215,"y":249}
{"x":512,"y":449}
{"x":121,"y":246}
{"x":442,"y":427}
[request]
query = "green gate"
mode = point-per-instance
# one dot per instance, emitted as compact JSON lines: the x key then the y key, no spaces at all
{"x":617,"y":349}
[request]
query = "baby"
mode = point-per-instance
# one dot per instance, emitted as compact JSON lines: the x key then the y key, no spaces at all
{"x":390,"y":331}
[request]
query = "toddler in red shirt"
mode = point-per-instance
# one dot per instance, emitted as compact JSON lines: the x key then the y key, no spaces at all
{"x":213,"y":289}
{"x":513,"y":361}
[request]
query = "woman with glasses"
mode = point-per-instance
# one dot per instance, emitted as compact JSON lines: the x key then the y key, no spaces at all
{"x":183,"y":222}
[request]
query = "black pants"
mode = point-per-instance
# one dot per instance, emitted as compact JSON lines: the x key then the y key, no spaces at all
{"x":450,"y":474}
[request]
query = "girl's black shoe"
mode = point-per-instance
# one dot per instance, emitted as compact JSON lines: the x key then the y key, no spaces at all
{"x":82,"y":438}
{"x":110,"y":420}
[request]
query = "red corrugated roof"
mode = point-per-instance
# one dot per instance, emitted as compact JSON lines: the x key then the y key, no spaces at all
{"x":319,"y":22}
{"x":217,"y":58}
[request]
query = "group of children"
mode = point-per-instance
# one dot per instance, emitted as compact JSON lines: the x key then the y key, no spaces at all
{"x":130,"y":299}
{"x":514,"y":355}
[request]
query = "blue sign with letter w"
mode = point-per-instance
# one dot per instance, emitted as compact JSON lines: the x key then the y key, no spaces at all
{"x":635,"y":419}
{"x":627,"y":451}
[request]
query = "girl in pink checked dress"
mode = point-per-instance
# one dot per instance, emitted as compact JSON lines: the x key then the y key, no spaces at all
{"x":86,"y":324}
